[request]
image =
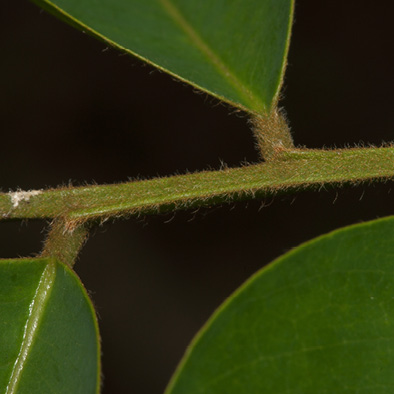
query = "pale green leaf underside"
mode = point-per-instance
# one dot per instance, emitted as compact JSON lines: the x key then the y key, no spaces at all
{"x":318,"y":320}
{"x":233,"y":49}
{"x":48,"y":330}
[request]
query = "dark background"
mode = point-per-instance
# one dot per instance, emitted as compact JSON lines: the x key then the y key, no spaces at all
{"x":73,"y":110}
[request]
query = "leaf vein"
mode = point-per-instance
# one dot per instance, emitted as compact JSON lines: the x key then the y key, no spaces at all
{"x":36,"y":310}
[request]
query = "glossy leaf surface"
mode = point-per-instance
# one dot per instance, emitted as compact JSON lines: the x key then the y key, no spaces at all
{"x":233,"y":49}
{"x":48,"y":330}
{"x":318,"y":320}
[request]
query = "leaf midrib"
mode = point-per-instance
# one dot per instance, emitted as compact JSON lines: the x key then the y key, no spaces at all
{"x":179,"y":19}
{"x":36,"y":311}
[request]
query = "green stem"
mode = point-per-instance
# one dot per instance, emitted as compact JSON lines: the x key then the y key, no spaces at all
{"x":290,"y":170}
{"x":65,"y":242}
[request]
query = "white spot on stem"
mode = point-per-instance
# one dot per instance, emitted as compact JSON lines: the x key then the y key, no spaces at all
{"x":17,"y":197}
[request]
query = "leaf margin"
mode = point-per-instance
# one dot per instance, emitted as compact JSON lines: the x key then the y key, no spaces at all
{"x":248,"y":282}
{"x":54,"y":266}
{"x":64,"y":16}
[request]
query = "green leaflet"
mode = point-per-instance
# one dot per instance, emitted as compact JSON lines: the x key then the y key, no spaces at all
{"x":320,"y":319}
{"x":48,"y":330}
{"x":233,"y":49}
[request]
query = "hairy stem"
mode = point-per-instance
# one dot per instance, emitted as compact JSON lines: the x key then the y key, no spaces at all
{"x":290,"y":171}
{"x":272,"y":134}
{"x":64,"y":242}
